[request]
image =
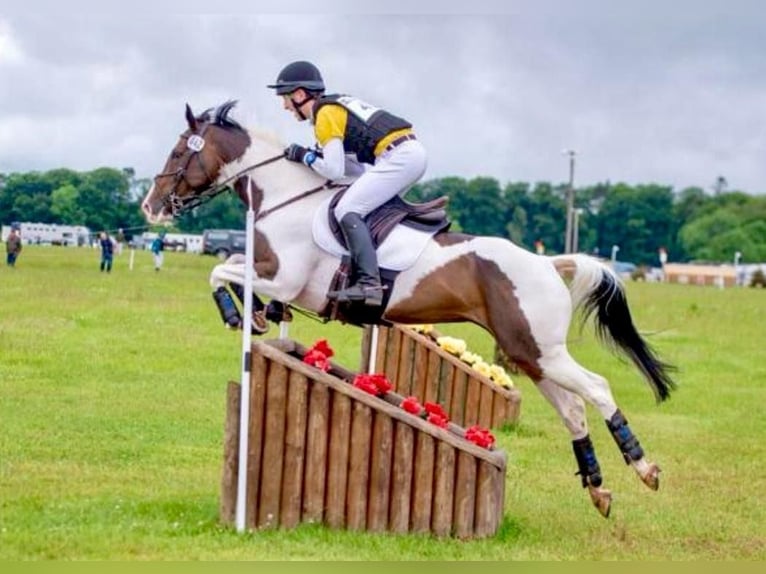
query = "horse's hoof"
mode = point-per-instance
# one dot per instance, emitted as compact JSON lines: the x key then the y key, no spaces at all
{"x":652,"y":477}
{"x":602,"y":500}
{"x":259,"y":325}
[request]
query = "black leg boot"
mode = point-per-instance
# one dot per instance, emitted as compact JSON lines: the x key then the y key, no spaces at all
{"x":229,"y":312}
{"x":367,"y":287}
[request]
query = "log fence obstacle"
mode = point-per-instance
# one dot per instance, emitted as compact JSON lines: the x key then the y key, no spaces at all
{"x":417,"y":366}
{"x":320,"y":450}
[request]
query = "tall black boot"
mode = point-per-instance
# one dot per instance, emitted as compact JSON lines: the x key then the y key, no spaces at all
{"x":364,"y":260}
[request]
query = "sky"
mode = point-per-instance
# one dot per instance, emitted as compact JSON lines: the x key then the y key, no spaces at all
{"x":672,"y":93}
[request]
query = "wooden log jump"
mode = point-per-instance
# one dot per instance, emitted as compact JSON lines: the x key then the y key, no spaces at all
{"x":417,"y":366}
{"x":322,"y":451}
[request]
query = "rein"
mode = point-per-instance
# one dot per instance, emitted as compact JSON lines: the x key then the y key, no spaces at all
{"x":326,"y":185}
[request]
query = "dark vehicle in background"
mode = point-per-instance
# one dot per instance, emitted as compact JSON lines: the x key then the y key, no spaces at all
{"x":223,"y":242}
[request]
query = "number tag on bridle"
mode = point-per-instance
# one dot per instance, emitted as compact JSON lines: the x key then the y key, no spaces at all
{"x":195,"y":142}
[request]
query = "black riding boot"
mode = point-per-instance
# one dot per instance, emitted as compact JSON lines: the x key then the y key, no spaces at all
{"x":364,"y":261}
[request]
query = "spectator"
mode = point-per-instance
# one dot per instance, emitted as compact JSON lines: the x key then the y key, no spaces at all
{"x":158,"y":245}
{"x":107,"y":251}
{"x":13,"y":247}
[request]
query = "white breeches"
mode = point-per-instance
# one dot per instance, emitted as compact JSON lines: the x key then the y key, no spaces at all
{"x":394,"y":172}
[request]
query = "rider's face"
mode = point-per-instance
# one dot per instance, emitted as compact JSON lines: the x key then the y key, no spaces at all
{"x":288,"y":102}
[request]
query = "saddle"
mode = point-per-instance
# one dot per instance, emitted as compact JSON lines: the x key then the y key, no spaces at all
{"x":429,"y":216}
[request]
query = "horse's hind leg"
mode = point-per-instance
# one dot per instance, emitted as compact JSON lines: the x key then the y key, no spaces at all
{"x":561,"y":368}
{"x":571,"y":409}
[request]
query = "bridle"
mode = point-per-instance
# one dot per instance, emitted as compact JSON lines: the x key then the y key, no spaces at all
{"x":204,"y":193}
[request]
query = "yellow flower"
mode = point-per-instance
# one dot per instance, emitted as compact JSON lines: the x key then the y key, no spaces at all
{"x":424,"y":329}
{"x":452,"y":345}
{"x":498,"y":374}
{"x":470,"y":358}
{"x":482,"y":368}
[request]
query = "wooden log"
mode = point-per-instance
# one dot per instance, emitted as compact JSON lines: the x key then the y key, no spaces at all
{"x":269,"y":511}
{"x":500,"y":407}
{"x":317,"y":440}
{"x":489,"y":499}
{"x":229,"y":476}
{"x":359,"y":466}
{"x":444,"y":390}
{"x":423,"y":481}
{"x":391,"y":366}
{"x":485,"y":404}
{"x":337,"y":468}
{"x":384,"y":334}
{"x":402,"y":379}
{"x":444,"y":490}
{"x":472,"y":398}
{"x":420,"y":370}
{"x":382,"y":448}
{"x":259,"y":373}
{"x":465,"y":496}
{"x":459,"y":385}
{"x":401,"y":477}
{"x":295,"y":449}
{"x":432,"y":378}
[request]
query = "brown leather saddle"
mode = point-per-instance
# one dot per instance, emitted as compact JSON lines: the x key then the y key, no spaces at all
{"x":429,"y":216}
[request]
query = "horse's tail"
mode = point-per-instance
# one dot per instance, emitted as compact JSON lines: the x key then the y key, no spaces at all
{"x":595,"y":288}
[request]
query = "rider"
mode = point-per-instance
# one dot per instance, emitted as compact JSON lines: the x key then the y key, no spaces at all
{"x":346,"y":125}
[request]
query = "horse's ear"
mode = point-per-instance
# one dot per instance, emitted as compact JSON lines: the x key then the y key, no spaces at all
{"x":190,"y":119}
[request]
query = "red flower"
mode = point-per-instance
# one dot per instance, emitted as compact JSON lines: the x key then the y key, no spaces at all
{"x":435,"y":409}
{"x":438,"y":420}
{"x":377,"y":384}
{"x":480,"y":436}
{"x":318,"y":354}
{"x":411,"y":405}
{"x":366,"y":385}
{"x":323,"y":347}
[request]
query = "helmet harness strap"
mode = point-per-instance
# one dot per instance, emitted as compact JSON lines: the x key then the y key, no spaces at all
{"x":298,"y":105}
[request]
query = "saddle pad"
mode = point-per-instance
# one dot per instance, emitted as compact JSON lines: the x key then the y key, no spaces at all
{"x":398,"y":252}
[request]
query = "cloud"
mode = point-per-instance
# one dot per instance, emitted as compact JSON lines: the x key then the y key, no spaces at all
{"x":656,"y":93}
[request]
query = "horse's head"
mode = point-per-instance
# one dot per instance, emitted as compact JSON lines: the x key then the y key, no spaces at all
{"x":191,"y":172}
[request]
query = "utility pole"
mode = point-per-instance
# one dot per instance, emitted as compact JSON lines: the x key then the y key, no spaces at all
{"x":568,"y":239}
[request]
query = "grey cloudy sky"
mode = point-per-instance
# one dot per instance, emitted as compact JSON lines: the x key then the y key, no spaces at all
{"x":673,"y":94}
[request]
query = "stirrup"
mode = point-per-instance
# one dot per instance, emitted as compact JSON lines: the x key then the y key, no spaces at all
{"x":371,"y":295}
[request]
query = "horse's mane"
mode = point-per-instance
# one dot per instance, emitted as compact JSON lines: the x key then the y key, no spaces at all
{"x":220,"y":116}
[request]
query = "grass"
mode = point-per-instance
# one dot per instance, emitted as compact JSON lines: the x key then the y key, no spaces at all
{"x":112,"y":392}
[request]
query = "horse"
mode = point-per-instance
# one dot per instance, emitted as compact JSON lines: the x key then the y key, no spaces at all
{"x":524,"y":300}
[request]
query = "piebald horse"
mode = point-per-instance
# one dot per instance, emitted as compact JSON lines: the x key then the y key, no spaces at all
{"x":519,"y":297}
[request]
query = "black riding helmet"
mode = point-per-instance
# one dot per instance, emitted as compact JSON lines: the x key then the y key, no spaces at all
{"x":298,"y":75}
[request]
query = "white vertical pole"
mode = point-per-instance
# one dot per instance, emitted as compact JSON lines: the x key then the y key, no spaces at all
{"x":244,"y":405}
{"x":373,"y":350}
{"x":283,"y":329}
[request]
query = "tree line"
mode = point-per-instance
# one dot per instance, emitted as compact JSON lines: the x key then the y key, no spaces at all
{"x":691,"y":224}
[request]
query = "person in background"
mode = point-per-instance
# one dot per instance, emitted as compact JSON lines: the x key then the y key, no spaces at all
{"x":389,"y":160}
{"x":107,"y":251}
{"x":158,"y":246}
{"x":13,"y":247}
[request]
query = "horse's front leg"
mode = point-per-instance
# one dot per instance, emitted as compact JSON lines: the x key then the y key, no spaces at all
{"x":571,"y":409}
{"x":232,"y":274}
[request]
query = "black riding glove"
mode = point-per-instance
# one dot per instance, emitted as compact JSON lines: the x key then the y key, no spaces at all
{"x":300,"y":154}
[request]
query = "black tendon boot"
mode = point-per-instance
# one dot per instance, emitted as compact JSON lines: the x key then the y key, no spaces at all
{"x":625,"y":438}
{"x":367,"y":288}
{"x":229,"y":312}
{"x":587,"y":465}
{"x":258,"y":326}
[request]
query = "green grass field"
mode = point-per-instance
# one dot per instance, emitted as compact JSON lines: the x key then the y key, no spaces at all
{"x":112,"y":394}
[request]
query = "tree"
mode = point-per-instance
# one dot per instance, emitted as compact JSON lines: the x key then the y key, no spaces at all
{"x":65,"y":207}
